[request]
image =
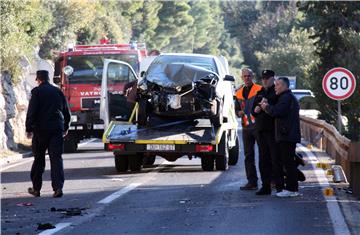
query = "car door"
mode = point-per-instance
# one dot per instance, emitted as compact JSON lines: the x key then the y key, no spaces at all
{"x":118,"y":79}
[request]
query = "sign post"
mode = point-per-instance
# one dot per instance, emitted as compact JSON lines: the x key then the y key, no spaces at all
{"x":339,"y":84}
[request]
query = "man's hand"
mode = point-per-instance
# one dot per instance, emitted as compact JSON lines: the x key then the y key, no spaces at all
{"x":65,"y":133}
{"x":241,"y":113}
{"x":257,"y":109}
{"x":29,"y":135}
{"x":264,"y":105}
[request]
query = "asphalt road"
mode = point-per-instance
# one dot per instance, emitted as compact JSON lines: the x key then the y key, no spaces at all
{"x":170,"y":198}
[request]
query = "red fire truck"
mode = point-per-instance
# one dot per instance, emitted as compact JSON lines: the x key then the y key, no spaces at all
{"x":78,"y":72}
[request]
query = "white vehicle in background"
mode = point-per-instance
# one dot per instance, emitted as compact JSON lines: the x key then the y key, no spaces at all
{"x":300,"y":93}
{"x":308,"y":106}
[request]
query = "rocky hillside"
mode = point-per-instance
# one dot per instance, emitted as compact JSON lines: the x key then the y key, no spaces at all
{"x":14,"y":99}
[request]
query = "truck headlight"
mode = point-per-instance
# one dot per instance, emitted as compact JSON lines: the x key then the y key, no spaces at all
{"x":74,"y":118}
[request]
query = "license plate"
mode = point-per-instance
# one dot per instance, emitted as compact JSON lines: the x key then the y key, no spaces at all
{"x":98,"y":126}
{"x":160,"y":147}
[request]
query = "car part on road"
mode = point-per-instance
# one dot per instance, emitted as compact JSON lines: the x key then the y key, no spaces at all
{"x":45,"y":226}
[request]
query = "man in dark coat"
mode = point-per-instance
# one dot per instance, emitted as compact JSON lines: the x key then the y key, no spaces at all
{"x":269,"y":163}
{"x":47,"y":122}
{"x":287,"y":132}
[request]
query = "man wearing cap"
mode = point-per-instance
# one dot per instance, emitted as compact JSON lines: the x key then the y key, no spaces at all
{"x":287,"y":132}
{"x":265,"y":125}
{"x":245,"y":98}
{"x":47,"y":122}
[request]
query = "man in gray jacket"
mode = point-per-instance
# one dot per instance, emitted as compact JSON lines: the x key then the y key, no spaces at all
{"x":287,"y":132}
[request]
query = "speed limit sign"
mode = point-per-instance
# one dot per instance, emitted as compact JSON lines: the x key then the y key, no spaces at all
{"x":339,"y":84}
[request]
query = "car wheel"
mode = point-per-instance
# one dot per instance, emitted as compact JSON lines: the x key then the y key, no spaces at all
{"x":222,"y":158}
{"x":234,"y":153}
{"x":121,"y":162}
{"x":207,"y":162}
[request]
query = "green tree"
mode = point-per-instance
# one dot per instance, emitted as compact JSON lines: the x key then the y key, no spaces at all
{"x":69,"y":18}
{"x":276,"y":18}
{"x":238,"y":18}
{"x":175,"y":22}
{"x":22,"y":25}
{"x":108,"y":21}
{"x":336,"y":31}
{"x":291,"y":55}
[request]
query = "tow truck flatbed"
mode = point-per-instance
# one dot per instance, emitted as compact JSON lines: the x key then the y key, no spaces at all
{"x":185,"y":132}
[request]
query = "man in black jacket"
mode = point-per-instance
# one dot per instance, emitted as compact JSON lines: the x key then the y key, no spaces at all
{"x":265,"y":125}
{"x":47,"y":122}
{"x":287,"y":132}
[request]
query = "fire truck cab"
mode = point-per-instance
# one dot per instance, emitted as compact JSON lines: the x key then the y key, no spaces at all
{"x":78,"y":72}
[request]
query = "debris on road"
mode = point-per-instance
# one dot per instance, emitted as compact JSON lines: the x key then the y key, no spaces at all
{"x":69,"y":211}
{"x":45,"y":226}
{"x":24,"y":204}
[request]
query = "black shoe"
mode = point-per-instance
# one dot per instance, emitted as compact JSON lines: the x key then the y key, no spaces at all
{"x":58,"y":193}
{"x":264,"y":191}
{"x":249,"y":186}
{"x":35,"y":193}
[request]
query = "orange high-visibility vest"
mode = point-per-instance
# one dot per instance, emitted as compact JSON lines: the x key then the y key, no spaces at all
{"x":246,"y":104}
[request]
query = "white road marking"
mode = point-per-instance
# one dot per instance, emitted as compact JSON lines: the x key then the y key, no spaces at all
{"x":24,"y":161}
{"x":57,"y":228}
{"x":87,"y":142}
{"x":335,"y":213}
{"x":17,"y":164}
{"x":132,"y":186}
{"x":119,"y":193}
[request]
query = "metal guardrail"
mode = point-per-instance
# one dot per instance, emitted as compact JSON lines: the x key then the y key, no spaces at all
{"x":345,"y":153}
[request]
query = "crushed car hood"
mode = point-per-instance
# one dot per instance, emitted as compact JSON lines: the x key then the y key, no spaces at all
{"x":173,"y":75}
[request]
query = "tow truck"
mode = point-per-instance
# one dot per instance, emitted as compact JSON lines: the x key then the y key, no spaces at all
{"x":136,"y":146}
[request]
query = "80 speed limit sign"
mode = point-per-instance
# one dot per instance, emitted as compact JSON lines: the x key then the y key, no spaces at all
{"x":339,"y":84}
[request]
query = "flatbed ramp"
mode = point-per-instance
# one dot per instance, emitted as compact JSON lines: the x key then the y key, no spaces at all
{"x":199,"y":131}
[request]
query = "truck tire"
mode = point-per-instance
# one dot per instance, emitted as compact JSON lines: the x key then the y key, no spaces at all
{"x":135,"y":162}
{"x":207,"y":162}
{"x":148,"y":161}
{"x":70,"y":145}
{"x":222,"y":158}
{"x":121,"y":163}
{"x":234,"y":153}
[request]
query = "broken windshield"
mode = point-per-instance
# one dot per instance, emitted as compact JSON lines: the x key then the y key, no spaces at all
{"x":173,"y":70}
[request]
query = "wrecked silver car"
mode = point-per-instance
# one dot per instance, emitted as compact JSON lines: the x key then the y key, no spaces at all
{"x":184,"y":86}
